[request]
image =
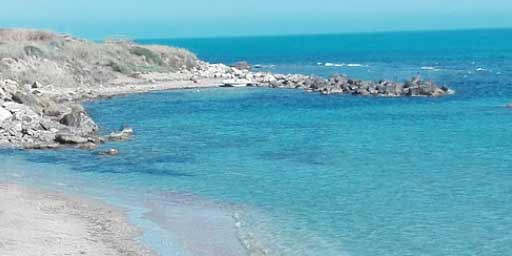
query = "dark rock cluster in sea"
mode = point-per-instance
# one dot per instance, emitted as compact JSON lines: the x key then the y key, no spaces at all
{"x":240,"y":75}
{"x":341,"y":84}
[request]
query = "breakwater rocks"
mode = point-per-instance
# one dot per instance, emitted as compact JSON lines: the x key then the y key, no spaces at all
{"x":338,"y":84}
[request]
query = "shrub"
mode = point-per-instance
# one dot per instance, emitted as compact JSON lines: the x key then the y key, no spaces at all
{"x":116,"y":67}
{"x":33,"y":51}
{"x":148,"y":54}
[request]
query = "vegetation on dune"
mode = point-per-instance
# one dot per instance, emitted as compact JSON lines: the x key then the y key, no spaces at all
{"x":147,"y":54}
{"x":61,"y":60}
{"x":33,"y":51}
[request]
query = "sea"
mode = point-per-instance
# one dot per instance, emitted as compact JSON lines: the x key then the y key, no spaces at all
{"x":259,"y":171}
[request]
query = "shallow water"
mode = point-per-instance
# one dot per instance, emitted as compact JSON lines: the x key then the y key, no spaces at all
{"x":296,"y":173}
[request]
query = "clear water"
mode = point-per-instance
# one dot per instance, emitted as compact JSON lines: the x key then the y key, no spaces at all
{"x":306,"y":174}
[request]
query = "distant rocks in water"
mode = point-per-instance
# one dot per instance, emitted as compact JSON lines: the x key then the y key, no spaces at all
{"x":125,"y":134}
{"x":242,"y":65}
{"x":509,"y":106}
{"x":110,"y":152}
{"x":338,"y":84}
{"x":341,"y":84}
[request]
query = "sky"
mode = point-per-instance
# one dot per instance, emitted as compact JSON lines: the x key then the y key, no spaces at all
{"x":98,"y":19}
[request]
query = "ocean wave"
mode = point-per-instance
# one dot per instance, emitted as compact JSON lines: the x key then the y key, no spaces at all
{"x":351,"y":65}
{"x":430,"y":68}
{"x":356,"y":65}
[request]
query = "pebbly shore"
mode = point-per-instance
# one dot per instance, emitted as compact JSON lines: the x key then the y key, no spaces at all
{"x":44,"y":78}
{"x":36,"y":222}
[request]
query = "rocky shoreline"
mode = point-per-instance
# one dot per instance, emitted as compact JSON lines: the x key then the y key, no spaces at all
{"x":45,"y":77}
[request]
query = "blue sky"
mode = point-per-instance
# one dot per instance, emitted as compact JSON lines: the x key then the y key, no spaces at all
{"x":97,"y":19}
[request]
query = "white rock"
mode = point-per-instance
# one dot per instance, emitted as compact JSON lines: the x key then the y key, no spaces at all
{"x":269,"y":78}
{"x":4,"y":114}
{"x":236,"y":82}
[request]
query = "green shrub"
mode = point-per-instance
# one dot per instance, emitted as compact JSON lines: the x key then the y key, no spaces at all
{"x":33,"y":51}
{"x":148,"y":54}
{"x":116,"y":67}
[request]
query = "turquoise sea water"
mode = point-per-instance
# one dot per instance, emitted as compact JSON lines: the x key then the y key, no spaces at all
{"x":304,"y":174}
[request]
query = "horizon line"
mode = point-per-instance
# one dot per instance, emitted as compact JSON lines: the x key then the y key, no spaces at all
{"x":322,"y":34}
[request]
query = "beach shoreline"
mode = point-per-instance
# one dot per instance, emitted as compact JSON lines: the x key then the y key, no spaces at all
{"x":37,"y":222}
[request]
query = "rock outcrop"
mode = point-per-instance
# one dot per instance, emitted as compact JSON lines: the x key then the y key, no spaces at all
{"x":24,"y":124}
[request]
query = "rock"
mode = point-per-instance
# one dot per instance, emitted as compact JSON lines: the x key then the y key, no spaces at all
{"x":124,"y":134}
{"x":362,"y":92}
{"x":110,"y":152}
{"x":36,"y":85}
{"x":27,"y":99}
{"x":88,"y":146}
{"x":70,"y":139}
{"x":242,"y":65}
{"x":4,"y":114}
{"x":72,"y":119}
{"x":509,"y":106}
{"x":53,"y":110}
{"x":235,"y":83}
{"x":78,"y":118}
{"x":137,"y":75}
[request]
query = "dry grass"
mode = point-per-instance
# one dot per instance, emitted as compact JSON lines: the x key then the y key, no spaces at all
{"x":17,"y":35}
{"x":29,"y":55}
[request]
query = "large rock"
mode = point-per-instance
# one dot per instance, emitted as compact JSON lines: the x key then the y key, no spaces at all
{"x":73,"y":119}
{"x":4,"y":114}
{"x":124,"y":134}
{"x":79,"y":119}
{"x":63,"y":138}
{"x":27,"y":99}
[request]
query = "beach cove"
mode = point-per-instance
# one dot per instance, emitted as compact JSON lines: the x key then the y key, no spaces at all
{"x":287,"y":172}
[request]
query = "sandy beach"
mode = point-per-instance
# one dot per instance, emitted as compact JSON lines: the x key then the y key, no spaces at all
{"x":34,"y":222}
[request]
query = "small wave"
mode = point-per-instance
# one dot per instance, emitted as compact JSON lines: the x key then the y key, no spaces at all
{"x":430,"y":68}
{"x":355,"y":65}
{"x":481,"y":69}
{"x":330,"y":64}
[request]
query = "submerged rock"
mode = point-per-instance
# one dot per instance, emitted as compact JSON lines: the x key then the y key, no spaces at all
{"x":110,"y":152}
{"x":122,"y":135}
